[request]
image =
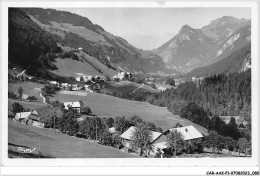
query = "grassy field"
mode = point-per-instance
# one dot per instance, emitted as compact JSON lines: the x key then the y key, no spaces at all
{"x":105,"y":105}
{"x":29,"y":88}
{"x":126,"y":87}
{"x":26,"y":104}
{"x":47,"y":144}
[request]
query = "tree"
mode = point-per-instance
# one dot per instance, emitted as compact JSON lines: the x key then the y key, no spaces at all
{"x":177,"y":125}
{"x":85,"y":110}
{"x":109,"y":122}
{"x":57,"y":103}
{"x":211,"y":140}
{"x":68,"y":122}
{"x":141,"y":138}
{"x":20,"y":92}
{"x":48,"y":89}
{"x":81,"y":103}
{"x":196,"y":146}
{"x":93,"y":128}
{"x":117,"y":140}
{"x":31,"y":98}
{"x":121,"y":124}
{"x":106,"y":138}
{"x":232,"y":129}
{"x":134,"y":120}
{"x":175,"y":142}
{"x":230,"y":143}
{"x":170,"y":81}
{"x":17,"y":108}
{"x":242,"y":145}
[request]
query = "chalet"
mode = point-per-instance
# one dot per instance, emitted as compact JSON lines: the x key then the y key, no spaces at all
{"x":22,"y":115}
{"x":127,"y":137}
{"x":43,"y":113}
{"x":74,"y":105}
{"x":87,"y":78}
{"x":74,"y":87}
{"x":189,"y":134}
{"x":54,"y":82}
{"x":25,"y":97}
{"x":35,"y":121}
{"x":78,"y":78}
{"x":65,"y":85}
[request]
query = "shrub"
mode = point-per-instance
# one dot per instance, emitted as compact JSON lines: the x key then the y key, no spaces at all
{"x":85,"y":110}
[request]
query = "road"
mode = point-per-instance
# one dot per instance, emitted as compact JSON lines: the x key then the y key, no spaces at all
{"x":137,"y":89}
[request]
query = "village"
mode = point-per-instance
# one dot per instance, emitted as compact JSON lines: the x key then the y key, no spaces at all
{"x":121,"y":136}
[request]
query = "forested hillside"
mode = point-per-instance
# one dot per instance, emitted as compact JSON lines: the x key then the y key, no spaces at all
{"x":217,"y":95}
{"x":29,"y":45}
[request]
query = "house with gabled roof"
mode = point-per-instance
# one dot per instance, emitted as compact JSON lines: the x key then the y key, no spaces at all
{"x":40,"y":114}
{"x":127,"y":136}
{"x":189,"y":133}
{"x":75,"y":105}
{"x":22,"y":115}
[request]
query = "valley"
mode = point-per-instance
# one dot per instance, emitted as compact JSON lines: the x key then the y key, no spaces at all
{"x":68,"y":75}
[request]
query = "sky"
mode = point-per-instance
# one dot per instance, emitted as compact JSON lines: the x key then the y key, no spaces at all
{"x":149,"y":28}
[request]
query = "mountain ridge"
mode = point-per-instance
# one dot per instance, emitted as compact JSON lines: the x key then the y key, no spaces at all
{"x":191,"y":48}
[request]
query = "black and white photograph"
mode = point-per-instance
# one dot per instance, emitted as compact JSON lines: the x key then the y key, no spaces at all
{"x":131,"y":84}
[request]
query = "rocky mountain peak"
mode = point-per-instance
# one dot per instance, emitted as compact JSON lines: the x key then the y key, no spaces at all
{"x":185,"y":28}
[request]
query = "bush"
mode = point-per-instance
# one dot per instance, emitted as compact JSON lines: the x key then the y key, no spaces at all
{"x":12,"y":95}
{"x":57,"y":103}
{"x":17,"y":108}
{"x":32,"y":98}
{"x":85,"y":110}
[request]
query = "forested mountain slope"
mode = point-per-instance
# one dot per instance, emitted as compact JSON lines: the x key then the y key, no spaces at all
{"x":34,"y":34}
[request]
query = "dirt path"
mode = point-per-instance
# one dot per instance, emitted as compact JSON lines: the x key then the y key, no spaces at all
{"x":44,"y":99}
{"x":137,"y":89}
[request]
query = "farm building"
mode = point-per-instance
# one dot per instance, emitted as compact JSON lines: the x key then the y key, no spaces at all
{"x":42,"y":113}
{"x":74,"y":105}
{"x":45,"y":111}
{"x":127,"y":136}
{"x":189,"y":133}
{"x":35,"y":121}
{"x":54,"y":82}
{"x":78,"y":78}
{"x":25,"y":97}
{"x":22,"y":115}
{"x":65,"y":85}
{"x":75,"y":87}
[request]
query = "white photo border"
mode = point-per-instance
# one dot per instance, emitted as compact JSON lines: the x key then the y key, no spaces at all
{"x":123,"y":164}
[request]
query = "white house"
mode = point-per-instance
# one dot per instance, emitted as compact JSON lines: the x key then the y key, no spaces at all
{"x":74,"y":105}
{"x":75,"y":87}
{"x":22,"y":115}
{"x":127,"y":136}
{"x":64,"y":85}
{"x":121,"y":75}
{"x":25,"y":97}
{"x":54,"y":82}
{"x":78,"y":78}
